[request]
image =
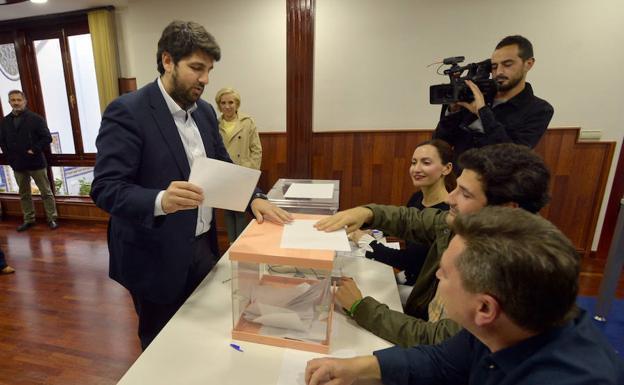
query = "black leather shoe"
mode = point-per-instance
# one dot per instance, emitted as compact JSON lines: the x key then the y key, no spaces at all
{"x":53,"y":225}
{"x":25,"y":226}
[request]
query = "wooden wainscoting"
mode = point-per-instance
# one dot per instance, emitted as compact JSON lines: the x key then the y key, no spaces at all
{"x":579,"y":172}
{"x":273,"y":164}
{"x":67,"y":208}
{"x":372,"y":166}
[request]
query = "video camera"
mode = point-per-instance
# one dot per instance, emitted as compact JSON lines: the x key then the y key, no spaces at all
{"x":457,"y":90}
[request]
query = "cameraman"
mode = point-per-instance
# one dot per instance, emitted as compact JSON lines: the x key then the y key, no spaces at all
{"x":515,"y":115}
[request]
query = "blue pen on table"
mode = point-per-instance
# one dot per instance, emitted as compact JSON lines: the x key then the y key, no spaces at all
{"x":236,"y":347}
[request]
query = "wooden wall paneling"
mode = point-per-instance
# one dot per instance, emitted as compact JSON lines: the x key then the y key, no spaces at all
{"x":67,"y":208}
{"x":299,"y":86}
{"x":372,"y":167}
{"x":578,"y":179}
{"x":126,"y":85}
{"x":273,"y":164}
{"x":581,"y":195}
{"x":607,"y":150}
{"x":613,"y":208}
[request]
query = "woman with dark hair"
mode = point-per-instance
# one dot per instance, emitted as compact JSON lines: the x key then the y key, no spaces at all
{"x":432,"y":174}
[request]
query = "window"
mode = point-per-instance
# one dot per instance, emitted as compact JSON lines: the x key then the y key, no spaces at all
{"x":52,"y":62}
{"x":54,"y":93}
{"x":9,"y":74}
{"x":9,"y":80}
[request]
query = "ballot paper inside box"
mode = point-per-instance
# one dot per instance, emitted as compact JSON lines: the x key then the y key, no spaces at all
{"x":281,"y":297}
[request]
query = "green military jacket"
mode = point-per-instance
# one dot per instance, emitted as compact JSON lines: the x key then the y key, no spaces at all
{"x":429,"y":227}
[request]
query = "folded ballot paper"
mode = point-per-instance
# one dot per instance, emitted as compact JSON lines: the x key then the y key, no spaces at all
{"x":291,"y":313}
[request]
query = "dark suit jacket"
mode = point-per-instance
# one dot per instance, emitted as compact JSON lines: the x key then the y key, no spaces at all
{"x":139,"y":154}
{"x":32,"y":134}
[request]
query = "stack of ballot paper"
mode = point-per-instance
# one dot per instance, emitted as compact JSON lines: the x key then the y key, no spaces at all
{"x":292,"y":313}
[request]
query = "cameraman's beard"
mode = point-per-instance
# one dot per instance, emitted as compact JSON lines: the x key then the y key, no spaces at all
{"x":510,"y":84}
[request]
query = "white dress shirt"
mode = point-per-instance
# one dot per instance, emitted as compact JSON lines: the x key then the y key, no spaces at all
{"x":194,"y":148}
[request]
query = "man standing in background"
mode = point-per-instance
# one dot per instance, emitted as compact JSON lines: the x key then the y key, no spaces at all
{"x":23,"y":137}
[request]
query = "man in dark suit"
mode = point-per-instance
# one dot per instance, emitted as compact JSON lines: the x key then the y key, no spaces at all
{"x":162,"y":242}
{"x":23,"y":137}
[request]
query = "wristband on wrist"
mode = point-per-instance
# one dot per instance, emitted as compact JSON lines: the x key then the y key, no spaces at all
{"x":351,"y":311}
{"x":260,"y":195}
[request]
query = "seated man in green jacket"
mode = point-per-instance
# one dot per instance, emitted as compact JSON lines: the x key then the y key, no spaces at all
{"x":501,"y":174}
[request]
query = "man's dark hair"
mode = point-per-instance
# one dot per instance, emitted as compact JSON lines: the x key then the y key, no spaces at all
{"x":525,"y":48}
{"x":12,"y":92}
{"x":523,"y":261}
{"x":509,"y":173}
{"x":181,"y":38}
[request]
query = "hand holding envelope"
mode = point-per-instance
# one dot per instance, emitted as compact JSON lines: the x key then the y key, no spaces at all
{"x":181,"y":195}
{"x":228,"y":186}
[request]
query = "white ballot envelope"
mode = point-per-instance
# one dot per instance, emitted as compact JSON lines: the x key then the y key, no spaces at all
{"x":301,"y":234}
{"x":225,"y":185}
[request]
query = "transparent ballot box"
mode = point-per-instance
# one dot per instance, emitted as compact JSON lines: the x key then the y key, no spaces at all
{"x":324,"y":206}
{"x":281,"y":297}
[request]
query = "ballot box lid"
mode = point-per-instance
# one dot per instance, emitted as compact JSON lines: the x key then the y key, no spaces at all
{"x":260,"y":243}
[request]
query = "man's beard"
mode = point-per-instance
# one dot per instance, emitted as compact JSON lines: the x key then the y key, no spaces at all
{"x":183,"y":96}
{"x":509,"y":85}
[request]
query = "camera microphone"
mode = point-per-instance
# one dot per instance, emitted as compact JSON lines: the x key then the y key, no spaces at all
{"x":453,"y":60}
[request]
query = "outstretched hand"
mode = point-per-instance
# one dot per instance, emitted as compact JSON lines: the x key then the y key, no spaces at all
{"x":352,"y":219}
{"x":341,"y":371}
{"x":263,"y":209}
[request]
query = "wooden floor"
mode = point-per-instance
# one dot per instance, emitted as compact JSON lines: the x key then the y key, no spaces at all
{"x":63,"y":321}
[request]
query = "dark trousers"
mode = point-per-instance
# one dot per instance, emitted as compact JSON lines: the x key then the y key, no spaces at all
{"x":3,"y":263}
{"x":154,"y":316}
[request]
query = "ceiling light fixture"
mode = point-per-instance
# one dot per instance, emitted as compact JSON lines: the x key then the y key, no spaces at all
{"x":39,"y":1}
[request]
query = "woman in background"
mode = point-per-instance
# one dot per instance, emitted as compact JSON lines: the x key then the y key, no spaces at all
{"x":242,"y":142}
{"x":432,"y":174}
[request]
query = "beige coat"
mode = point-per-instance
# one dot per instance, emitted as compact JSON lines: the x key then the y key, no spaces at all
{"x":244,"y":145}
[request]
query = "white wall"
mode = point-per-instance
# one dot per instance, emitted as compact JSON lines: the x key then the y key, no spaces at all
{"x":371,"y":56}
{"x":252,"y":36}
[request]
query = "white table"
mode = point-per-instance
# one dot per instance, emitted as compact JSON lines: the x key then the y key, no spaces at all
{"x":194,"y":347}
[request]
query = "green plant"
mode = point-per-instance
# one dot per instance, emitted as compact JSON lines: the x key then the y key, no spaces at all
{"x":85,"y":187}
{"x":58,"y":184}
